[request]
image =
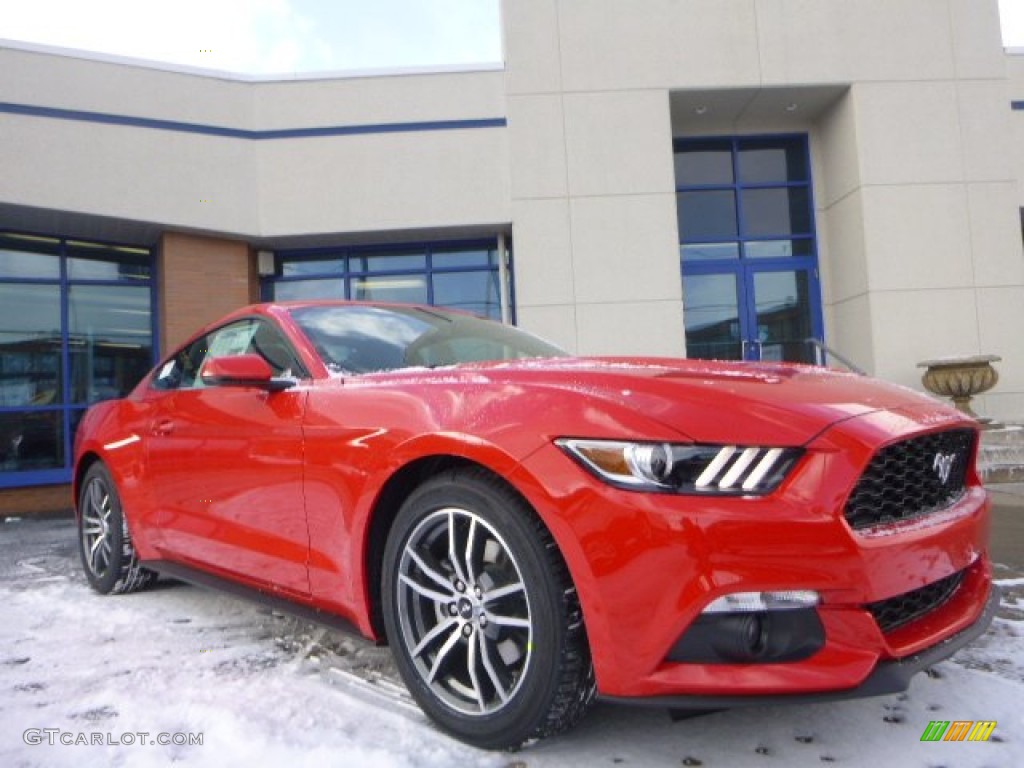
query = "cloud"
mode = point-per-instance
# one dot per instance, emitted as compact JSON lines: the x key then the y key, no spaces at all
{"x":1011,"y":14}
{"x":283,"y":36}
{"x":235,"y":35}
{"x":266,"y":36}
{"x":413,"y":32}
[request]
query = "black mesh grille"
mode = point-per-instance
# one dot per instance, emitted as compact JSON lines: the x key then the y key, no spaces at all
{"x":902,"y":609}
{"x":912,"y":478}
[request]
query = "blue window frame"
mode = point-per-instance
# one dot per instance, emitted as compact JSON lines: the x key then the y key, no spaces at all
{"x":77,"y":326}
{"x":461,"y":275}
{"x":747,"y":247}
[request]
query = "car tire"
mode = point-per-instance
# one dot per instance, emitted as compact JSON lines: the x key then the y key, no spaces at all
{"x":494,"y":664}
{"x":108,"y":557}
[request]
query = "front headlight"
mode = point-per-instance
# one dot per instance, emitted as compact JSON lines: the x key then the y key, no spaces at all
{"x":675,"y":468}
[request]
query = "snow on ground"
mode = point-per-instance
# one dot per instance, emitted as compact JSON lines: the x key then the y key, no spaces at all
{"x":265,"y":689}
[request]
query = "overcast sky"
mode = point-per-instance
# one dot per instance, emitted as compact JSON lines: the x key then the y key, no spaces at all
{"x":266,"y":36}
{"x":1012,"y":13}
{"x":285,"y":36}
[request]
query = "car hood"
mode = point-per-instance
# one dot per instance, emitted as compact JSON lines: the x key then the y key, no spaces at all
{"x":705,"y":401}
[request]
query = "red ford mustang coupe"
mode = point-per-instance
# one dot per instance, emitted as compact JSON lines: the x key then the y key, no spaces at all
{"x":528,"y":529}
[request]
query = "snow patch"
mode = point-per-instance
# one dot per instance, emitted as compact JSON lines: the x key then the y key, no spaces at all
{"x":269,"y":690}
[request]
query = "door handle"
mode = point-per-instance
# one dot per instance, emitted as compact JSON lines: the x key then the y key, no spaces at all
{"x":162,"y":428}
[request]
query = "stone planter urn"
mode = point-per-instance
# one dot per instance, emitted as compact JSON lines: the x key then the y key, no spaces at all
{"x":960,"y":378}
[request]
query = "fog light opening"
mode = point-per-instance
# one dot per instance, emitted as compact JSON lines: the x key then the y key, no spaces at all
{"x":754,"y":627}
{"x":756,"y":634}
{"x":741,"y":637}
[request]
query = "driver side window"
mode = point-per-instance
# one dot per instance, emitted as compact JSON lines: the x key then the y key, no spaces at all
{"x":182,"y":370}
{"x":250,"y":336}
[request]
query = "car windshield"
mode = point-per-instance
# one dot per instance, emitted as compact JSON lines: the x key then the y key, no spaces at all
{"x":363,"y":339}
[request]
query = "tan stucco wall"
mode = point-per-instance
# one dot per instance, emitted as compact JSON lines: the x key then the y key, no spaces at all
{"x":238,"y":186}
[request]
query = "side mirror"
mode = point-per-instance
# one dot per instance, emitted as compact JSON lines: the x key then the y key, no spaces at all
{"x":243,"y":371}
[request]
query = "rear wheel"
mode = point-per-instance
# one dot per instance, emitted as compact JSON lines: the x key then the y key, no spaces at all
{"x":482,"y":616}
{"x":105,"y":545}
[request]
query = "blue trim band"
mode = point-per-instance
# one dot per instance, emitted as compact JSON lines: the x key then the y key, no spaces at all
{"x":32,"y":478}
{"x":1017,"y":105}
{"x":241,"y":133}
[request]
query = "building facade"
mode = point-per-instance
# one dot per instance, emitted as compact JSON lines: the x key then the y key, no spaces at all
{"x":731,"y":179}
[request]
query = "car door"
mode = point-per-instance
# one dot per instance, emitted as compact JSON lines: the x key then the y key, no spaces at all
{"x":224,"y":463}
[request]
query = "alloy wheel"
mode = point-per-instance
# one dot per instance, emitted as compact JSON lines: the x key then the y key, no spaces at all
{"x":97,"y":527}
{"x":464,"y":611}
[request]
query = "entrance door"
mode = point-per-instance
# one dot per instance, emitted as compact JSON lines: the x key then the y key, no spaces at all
{"x":747,"y":244}
{"x":751,"y":313}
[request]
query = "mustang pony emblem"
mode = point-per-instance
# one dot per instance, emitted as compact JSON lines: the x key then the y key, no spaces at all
{"x":943,"y":465}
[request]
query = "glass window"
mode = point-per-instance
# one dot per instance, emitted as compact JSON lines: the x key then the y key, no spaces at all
{"x":772,"y":161}
{"x":709,"y":251}
{"x":777,"y":249}
{"x":705,"y":164}
{"x":471,"y":257}
{"x":26,"y":264}
{"x":391,"y":261}
{"x":182,"y":371}
{"x":363,"y":339}
{"x":30,"y":345}
{"x":475,"y":292}
{"x":109,"y":340}
{"x":232,"y":340}
{"x":313,"y":266}
{"x":769,"y":201}
{"x":251,"y":336}
{"x":408,"y":289}
{"x":171,"y":374}
{"x":269,"y":344}
{"x":707,"y":215}
{"x":31,"y":440}
{"x":747,"y":281}
{"x":359,"y":339}
{"x":711,"y":317}
{"x":86,"y":303}
{"x":783,"y":323}
{"x":776,"y":212}
{"x":298,"y":290}
{"x":96,"y":262}
{"x":462,"y":275}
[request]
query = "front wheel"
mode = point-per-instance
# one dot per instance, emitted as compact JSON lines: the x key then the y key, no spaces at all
{"x":105,"y":545}
{"x":482,"y":616}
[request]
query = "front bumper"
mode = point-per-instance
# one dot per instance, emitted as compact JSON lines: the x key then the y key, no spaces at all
{"x":889,"y":676}
{"x":646,"y":565}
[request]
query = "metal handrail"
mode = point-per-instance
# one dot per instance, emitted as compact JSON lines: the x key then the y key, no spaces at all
{"x":822,"y":351}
